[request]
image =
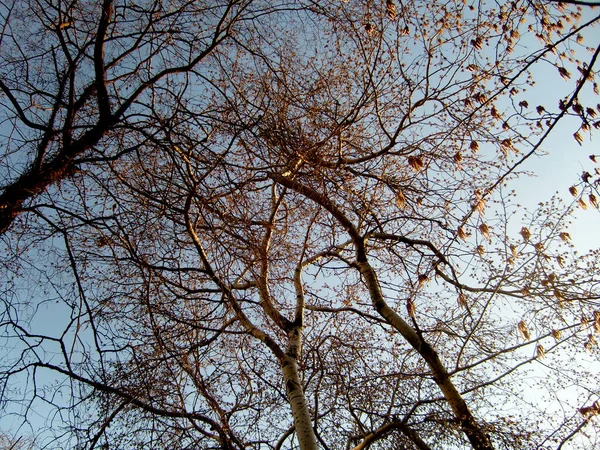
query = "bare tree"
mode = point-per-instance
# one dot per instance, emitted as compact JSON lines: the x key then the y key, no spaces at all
{"x":286,"y":225}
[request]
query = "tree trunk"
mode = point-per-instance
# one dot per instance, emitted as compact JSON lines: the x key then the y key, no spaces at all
{"x":295,"y":393}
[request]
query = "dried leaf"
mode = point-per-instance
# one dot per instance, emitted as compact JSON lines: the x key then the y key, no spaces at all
{"x":462,"y":300}
{"x":578,"y":138}
{"x":485,"y":231}
{"x":573,"y":191}
{"x":565,"y":236}
{"x":480,"y":249}
{"x":525,"y":233}
{"x":593,"y":200}
{"x":540,"y":352}
{"x":556,"y":334}
{"x":591,"y":342}
{"x":506,"y":144}
{"x":461,"y":233}
{"x":582,"y":204}
{"x":477,"y":43}
{"x":474,"y":146}
{"x":585,"y":176}
{"x":416,"y":162}
{"x":423,"y":279}
{"x":410,"y":307}
{"x":390,"y":9}
{"x":564,"y":73}
{"x":480,"y":206}
{"x":400,"y":199}
{"x":589,"y":411}
{"x":523,"y":331}
{"x":457,"y":158}
{"x":540,"y":109}
{"x":480,"y":97}
{"x":513,"y":251}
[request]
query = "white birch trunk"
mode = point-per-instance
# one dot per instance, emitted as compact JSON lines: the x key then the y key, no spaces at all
{"x":295,"y":393}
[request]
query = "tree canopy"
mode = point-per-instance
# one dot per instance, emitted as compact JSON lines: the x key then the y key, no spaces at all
{"x":278,"y":224}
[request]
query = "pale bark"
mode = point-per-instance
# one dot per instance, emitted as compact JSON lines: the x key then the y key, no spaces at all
{"x":297,"y":399}
{"x":288,"y":361}
{"x":477,"y":436}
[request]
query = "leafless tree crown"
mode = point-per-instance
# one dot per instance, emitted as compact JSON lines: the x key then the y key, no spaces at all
{"x":278,"y":224}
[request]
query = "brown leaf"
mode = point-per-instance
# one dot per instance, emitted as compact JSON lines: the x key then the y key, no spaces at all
{"x":457,"y":158}
{"x":485,"y":231}
{"x":410,"y":307}
{"x":477,"y":43}
{"x":564,"y":73}
{"x":416,"y":162}
{"x":556,"y":334}
{"x":565,"y":236}
{"x":400,"y":199}
{"x":423,"y":279}
{"x":523,"y":331}
{"x":540,"y":352}
{"x":390,"y":9}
